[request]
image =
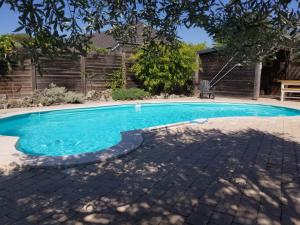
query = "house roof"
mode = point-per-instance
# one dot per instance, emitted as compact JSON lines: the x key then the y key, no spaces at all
{"x":106,"y":40}
{"x":208,"y":51}
{"x":103,"y":40}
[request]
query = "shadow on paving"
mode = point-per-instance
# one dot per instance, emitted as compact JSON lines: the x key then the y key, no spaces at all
{"x":183,"y":177}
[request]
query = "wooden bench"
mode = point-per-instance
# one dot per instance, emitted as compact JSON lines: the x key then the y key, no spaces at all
{"x":286,"y":88}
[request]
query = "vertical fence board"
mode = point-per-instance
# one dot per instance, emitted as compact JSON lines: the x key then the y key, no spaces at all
{"x":33,"y":74}
{"x":83,"y":75}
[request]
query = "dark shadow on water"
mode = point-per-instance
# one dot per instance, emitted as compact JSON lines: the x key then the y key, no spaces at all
{"x":184,"y":177}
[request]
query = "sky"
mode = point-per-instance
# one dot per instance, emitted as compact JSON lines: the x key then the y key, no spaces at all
{"x":9,"y":22}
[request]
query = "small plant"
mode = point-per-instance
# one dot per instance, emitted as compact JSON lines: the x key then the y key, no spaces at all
{"x":55,"y":95}
{"x":90,"y":77}
{"x":24,"y":102}
{"x":97,"y":50}
{"x":73,"y":98}
{"x":106,"y":95}
{"x":51,"y":95}
{"x":116,"y":81}
{"x":55,"y":91}
{"x":129,"y":94}
{"x":93,"y":95}
{"x":3,"y":102}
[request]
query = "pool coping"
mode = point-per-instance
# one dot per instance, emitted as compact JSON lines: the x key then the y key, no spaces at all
{"x":130,"y":140}
{"x":10,"y":157}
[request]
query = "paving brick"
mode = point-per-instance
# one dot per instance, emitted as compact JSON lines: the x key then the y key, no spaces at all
{"x":221,"y":218}
{"x":247,"y":211}
{"x":222,"y":172}
{"x":200,"y":214}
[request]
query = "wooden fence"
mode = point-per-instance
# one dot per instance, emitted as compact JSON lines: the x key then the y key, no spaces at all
{"x":238,"y":82}
{"x":18,"y":83}
{"x":79,"y":74}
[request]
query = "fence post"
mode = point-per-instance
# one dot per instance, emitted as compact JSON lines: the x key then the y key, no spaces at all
{"x":123,"y":68}
{"x":83,"y":75}
{"x":33,"y":76}
{"x":257,"y":80}
{"x":196,"y":75}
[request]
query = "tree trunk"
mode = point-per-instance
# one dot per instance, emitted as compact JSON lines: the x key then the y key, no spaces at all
{"x":257,"y":80}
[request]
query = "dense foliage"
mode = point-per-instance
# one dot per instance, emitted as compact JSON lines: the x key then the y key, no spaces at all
{"x":116,"y":80}
{"x":56,"y":95}
{"x":253,"y":30}
{"x":12,"y":51}
{"x":7,"y":47}
{"x":129,"y":94}
{"x":66,"y":25}
{"x":165,"y":68}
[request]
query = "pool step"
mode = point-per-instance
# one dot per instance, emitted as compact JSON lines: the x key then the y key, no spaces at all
{"x":199,"y":121}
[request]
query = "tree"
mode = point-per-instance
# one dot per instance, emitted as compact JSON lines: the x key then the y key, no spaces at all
{"x":7,"y":48}
{"x":57,"y":26}
{"x":253,"y":30}
{"x":197,"y":47}
{"x":165,"y":68}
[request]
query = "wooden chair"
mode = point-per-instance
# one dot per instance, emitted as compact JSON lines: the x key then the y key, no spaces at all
{"x":206,"y":89}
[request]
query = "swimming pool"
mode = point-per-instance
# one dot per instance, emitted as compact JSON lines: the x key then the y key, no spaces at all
{"x":76,"y":131}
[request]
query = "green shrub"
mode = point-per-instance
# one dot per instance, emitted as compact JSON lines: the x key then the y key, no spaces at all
{"x":7,"y":48}
{"x":24,"y":102}
{"x":94,"y":49}
{"x":46,"y":101}
{"x":116,"y":80}
{"x":93,"y":95}
{"x":55,"y":95}
{"x":129,"y":94}
{"x":163,"y":68}
{"x":51,"y":95}
{"x":73,"y":97}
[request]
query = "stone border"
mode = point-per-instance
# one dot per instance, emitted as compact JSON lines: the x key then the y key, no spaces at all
{"x":270,"y":102}
{"x":10,"y":157}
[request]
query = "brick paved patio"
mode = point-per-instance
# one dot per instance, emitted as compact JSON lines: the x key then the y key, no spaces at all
{"x":228,"y":171}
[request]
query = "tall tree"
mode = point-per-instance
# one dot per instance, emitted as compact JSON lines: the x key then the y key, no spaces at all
{"x":57,"y":26}
{"x":254,"y":29}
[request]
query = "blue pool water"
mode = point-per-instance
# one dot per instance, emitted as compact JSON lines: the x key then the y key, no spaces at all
{"x":75,"y":131}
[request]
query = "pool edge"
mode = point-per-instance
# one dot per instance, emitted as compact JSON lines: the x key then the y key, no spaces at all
{"x":12,"y":158}
{"x":130,"y":141}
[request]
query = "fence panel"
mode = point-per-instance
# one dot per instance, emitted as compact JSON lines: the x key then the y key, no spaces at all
{"x":18,"y":82}
{"x":62,"y":71}
{"x":99,"y":69}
